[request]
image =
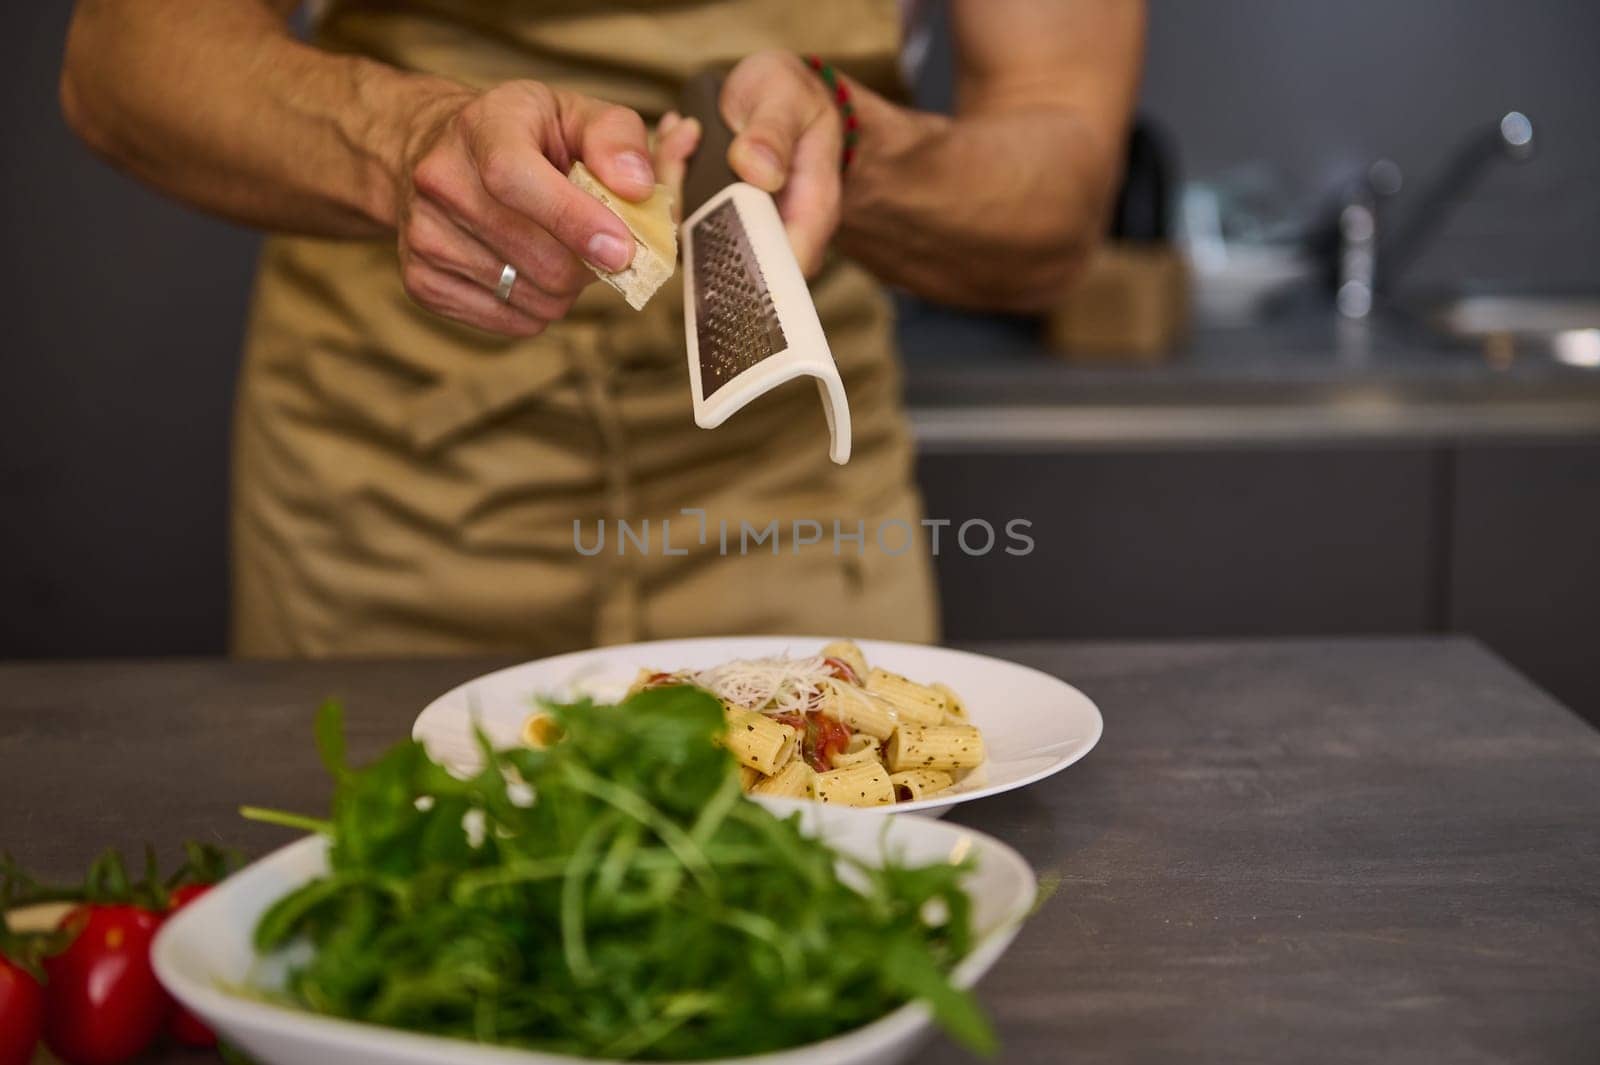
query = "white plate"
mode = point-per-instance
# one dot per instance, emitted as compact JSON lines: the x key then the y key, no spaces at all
{"x":1033,"y":724}
{"x":205,"y":948}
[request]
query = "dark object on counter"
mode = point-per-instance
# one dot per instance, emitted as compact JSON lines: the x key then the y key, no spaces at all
{"x":1132,"y":300}
{"x":1149,"y":182}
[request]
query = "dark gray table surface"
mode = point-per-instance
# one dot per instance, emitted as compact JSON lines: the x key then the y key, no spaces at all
{"x":1373,"y":850}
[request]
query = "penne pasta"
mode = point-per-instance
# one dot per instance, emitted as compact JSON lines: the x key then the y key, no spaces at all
{"x":847,"y":652}
{"x":914,"y":784}
{"x":749,"y":778}
{"x":649,"y":678}
{"x":540,"y":731}
{"x":955,"y":711}
{"x":641,"y":681}
{"x":860,"y":710}
{"x":793,"y":781}
{"x":866,"y":784}
{"x":913,"y":702}
{"x":758,"y":741}
{"x":934,"y":747}
{"x":861,"y":748}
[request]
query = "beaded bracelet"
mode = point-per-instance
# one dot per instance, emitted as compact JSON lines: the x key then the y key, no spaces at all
{"x":841,"y":97}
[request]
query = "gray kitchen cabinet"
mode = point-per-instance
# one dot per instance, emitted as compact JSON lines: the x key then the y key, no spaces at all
{"x":1195,"y":542}
{"x":1524,"y":562}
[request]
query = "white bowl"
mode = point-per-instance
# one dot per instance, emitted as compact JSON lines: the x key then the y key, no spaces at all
{"x":205,"y":949}
{"x":1033,"y":724}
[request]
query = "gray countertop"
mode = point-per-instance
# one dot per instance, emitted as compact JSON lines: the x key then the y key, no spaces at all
{"x":1303,"y":375}
{"x":1329,"y":851}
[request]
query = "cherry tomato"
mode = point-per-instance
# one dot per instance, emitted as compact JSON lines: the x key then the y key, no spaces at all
{"x":21,"y":1014}
{"x":821,"y":737}
{"x":182,"y":896}
{"x":794,"y":721}
{"x":832,"y":737}
{"x":185,"y":1027}
{"x":103,"y":1005}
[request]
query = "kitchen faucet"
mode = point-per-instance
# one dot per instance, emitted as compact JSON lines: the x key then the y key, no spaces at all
{"x":1369,"y":261}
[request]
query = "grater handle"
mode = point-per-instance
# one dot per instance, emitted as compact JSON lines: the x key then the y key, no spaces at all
{"x":708,"y":172}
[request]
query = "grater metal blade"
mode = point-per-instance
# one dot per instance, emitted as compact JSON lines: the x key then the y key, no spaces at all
{"x":736,"y":325}
{"x":749,"y":320}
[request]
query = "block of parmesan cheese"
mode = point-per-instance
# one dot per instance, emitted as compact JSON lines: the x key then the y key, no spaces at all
{"x":655,"y":236}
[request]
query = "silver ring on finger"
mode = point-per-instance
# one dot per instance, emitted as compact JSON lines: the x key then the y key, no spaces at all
{"x":508,"y":280}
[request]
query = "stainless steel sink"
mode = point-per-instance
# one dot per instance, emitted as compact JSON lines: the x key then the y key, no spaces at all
{"x":1566,"y":328}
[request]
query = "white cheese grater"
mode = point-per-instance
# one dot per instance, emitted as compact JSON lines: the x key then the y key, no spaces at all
{"x":749,"y":318}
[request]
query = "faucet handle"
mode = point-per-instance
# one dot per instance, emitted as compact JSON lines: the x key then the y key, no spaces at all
{"x":1360,"y":273}
{"x":1516,"y":135}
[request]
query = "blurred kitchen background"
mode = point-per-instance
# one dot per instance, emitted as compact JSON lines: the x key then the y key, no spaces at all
{"x":1339,"y":375}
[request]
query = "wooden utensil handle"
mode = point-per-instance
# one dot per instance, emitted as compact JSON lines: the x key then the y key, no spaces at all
{"x":708,"y":172}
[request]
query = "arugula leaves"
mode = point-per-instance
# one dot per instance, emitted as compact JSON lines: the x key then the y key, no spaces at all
{"x":634,"y":905}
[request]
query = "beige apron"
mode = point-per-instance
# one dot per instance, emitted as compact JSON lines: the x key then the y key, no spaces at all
{"x":404,"y":485}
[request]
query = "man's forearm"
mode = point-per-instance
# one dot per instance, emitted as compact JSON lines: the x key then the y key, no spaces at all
{"x":993,"y":210}
{"x":214,"y":102}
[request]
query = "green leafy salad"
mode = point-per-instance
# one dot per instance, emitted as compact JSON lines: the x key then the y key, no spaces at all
{"x":614,"y":895}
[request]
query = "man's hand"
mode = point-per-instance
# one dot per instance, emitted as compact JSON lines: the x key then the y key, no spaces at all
{"x":675,"y":141}
{"x":484,"y":184}
{"x":789,"y":139}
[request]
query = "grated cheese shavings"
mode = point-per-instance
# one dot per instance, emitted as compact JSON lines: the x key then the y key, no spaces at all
{"x":769,"y":685}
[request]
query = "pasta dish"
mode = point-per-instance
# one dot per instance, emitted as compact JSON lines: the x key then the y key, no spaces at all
{"x":829,"y":728}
